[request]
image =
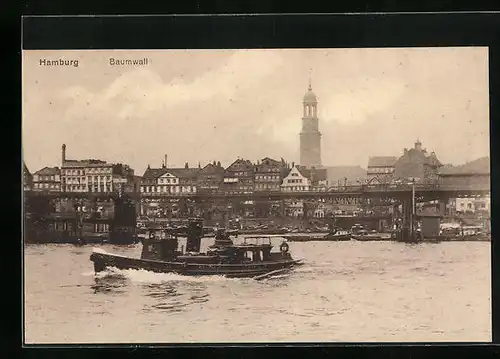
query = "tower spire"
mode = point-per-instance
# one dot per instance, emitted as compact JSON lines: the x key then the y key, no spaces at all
{"x":310,"y":87}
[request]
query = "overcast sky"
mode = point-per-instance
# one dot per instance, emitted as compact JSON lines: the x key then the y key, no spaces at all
{"x":206,"y":105}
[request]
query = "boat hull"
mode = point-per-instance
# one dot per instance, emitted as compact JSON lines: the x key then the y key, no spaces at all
{"x":102,"y":261}
{"x":370,"y":238}
{"x":324,"y":238}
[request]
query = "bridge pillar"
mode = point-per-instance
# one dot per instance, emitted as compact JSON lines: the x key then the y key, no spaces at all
{"x":408,"y":220}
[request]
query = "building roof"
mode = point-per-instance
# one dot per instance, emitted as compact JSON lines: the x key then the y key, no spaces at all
{"x":339,"y":173}
{"x":310,"y":96}
{"x":25,"y":170}
{"x":240,"y":163}
{"x":382,"y":161}
{"x":186,"y":173}
{"x":383,"y":179}
{"x":48,"y":171}
{"x":211,"y":169}
{"x":151,"y":173}
{"x":271,"y":161}
{"x":314,"y":174}
{"x":479,"y":166}
{"x":419,"y":155}
{"x":85,"y":163}
{"x":433,"y":161}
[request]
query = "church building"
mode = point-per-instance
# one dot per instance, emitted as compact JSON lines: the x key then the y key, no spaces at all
{"x":310,"y":137}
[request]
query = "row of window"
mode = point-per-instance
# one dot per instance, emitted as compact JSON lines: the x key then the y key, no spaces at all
{"x":295,"y":180}
{"x":99,"y":170}
{"x":68,"y":226}
{"x":101,"y":178}
{"x":168,"y":189}
{"x":72,"y":179}
{"x":83,"y":171}
{"x":296,"y":188}
{"x":100,"y":189}
{"x":84,"y":188}
{"x":380,"y":170}
{"x":269,"y":169}
{"x":168,"y":180}
{"x":40,"y":178}
{"x":46,"y":185}
{"x":259,"y":177}
{"x":101,"y":227}
{"x":241,"y":173}
{"x":267,"y":186}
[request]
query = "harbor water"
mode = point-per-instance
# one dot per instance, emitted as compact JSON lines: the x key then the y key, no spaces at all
{"x":346,"y":292}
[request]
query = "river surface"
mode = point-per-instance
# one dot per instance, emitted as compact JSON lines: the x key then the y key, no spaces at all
{"x":346,"y":292}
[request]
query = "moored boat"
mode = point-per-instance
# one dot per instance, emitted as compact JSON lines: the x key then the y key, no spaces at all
{"x":245,"y":260}
{"x":364,"y":235}
{"x":338,"y":236}
{"x":333,"y":236}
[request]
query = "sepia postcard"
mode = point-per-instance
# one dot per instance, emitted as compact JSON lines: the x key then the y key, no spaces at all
{"x":260,"y":195}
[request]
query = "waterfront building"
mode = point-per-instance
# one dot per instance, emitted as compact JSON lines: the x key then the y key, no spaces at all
{"x":318,"y":177}
{"x":210,"y":178}
{"x":269,"y":174}
{"x":97,"y":176}
{"x":417,"y":163}
{"x":168,"y":182}
{"x":310,"y":137}
{"x":47,"y":179}
{"x":27,"y":178}
{"x":381,"y":167}
{"x":471,"y":173}
{"x":239,"y":177}
{"x":294,"y":208}
{"x":296,"y":180}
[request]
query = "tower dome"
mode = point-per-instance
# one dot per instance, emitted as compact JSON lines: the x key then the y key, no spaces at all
{"x":310,"y":96}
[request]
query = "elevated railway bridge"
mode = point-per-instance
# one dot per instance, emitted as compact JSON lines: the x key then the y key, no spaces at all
{"x":340,"y":195}
{"x":406,"y":195}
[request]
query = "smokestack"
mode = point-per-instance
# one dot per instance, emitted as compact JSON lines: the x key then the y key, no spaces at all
{"x":194,"y":234}
{"x":166,"y":163}
{"x":63,"y":153}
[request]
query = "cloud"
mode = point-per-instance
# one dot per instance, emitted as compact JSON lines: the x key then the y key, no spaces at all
{"x":141,"y":92}
{"x":357,"y":102}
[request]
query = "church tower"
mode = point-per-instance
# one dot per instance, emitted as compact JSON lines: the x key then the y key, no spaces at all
{"x":310,"y":137}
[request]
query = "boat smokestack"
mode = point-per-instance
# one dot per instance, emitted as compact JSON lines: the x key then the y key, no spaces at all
{"x":194,"y":234}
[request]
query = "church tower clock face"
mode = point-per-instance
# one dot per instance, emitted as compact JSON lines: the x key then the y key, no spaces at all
{"x":310,"y":137}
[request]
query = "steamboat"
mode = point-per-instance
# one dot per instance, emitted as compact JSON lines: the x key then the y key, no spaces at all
{"x":223,"y":258}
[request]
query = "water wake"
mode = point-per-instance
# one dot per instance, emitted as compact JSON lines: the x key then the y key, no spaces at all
{"x":143,"y":276}
{"x":99,"y":250}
